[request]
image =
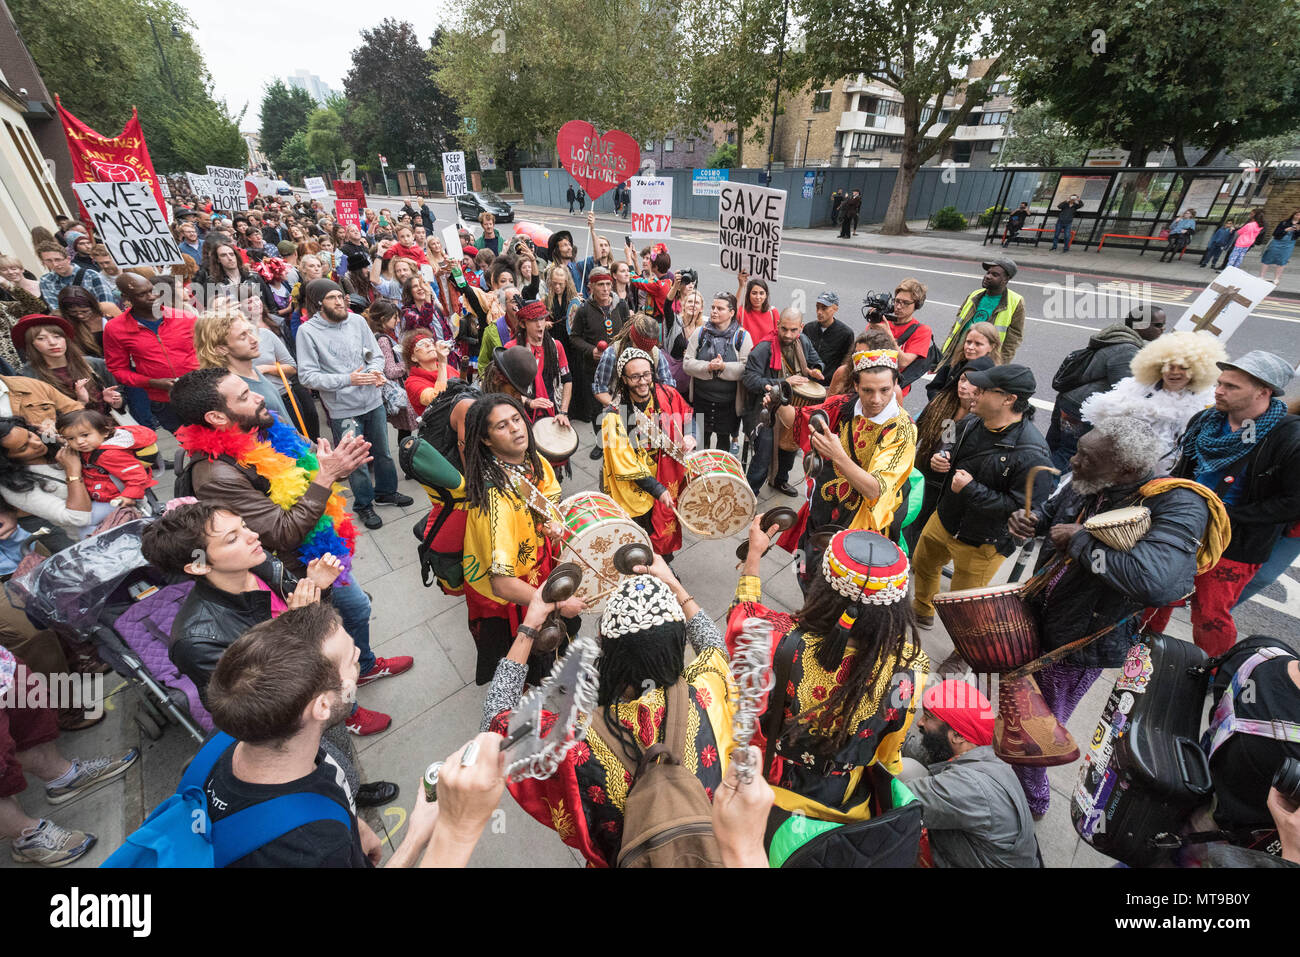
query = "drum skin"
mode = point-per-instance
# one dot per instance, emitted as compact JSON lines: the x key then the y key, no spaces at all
{"x":595,"y":528}
{"x":717,"y":501}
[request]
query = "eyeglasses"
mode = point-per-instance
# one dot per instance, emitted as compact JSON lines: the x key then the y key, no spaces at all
{"x":904,"y":302}
{"x":641,"y":377}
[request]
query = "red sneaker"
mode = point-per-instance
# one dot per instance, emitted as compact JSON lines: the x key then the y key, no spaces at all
{"x":386,"y":668}
{"x":363,"y":721}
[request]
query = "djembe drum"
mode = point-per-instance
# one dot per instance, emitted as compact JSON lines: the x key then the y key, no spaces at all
{"x":717,"y":500}
{"x":995,"y":632}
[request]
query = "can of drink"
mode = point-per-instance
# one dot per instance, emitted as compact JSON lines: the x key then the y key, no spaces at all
{"x":431,"y":780}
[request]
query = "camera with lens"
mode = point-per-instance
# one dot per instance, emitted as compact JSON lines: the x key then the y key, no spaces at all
{"x":877,"y":306}
{"x":1287,"y":779}
{"x":688,"y":277}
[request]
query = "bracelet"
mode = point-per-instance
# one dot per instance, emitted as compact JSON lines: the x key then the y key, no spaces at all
{"x":529,"y":633}
{"x":74,"y":478}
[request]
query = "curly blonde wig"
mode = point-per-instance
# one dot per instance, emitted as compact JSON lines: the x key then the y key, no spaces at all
{"x":1197,"y":351}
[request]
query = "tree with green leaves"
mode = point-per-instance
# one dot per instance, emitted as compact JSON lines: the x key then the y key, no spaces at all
{"x":283,"y":113}
{"x":921,"y":48}
{"x":1184,"y":73}
{"x":1267,"y":150}
{"x":1039,"y":139}
{"x":394,"y":106}
{"x":109,"y":55}
{"x":725,"y":156}
{"x":523,"y":68}
{"x":325,"y":143}
{"x":294,"y":155}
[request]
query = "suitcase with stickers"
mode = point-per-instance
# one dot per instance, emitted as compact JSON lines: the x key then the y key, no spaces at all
{"x":1145,"y":772}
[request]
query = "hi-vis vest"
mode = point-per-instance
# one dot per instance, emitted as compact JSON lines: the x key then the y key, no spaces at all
{"x":1001,"y":316}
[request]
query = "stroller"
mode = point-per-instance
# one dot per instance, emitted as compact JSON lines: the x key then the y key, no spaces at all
{"x":102,"y":590}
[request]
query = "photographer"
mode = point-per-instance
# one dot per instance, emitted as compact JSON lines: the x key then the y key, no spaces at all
{"x":915,"y":339}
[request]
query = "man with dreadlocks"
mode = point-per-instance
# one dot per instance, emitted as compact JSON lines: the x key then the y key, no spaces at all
{"x":849,"y":673}
{"x":644,"y":690}
{"x":866,"y":454}
{"x":639,"y":474}
{"x":509,"y":547}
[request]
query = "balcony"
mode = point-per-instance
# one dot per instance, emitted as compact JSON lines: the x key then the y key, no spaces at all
{"x":966,"y":133}
{"x":853,"y":121}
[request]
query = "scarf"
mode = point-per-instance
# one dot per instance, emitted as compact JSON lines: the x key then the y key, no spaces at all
{"x":286,"y":460}
{"x":1215,"y":451}
{"x":1218,"y":531}
{"x":722,"y":342}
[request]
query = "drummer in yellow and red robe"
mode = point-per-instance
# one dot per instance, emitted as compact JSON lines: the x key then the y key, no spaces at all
{"x":509,"y":547}
{"x":866,"y":457}
{"x":644,"y":480}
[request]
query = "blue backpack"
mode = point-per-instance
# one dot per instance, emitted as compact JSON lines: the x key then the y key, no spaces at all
{"x":179,"y":832}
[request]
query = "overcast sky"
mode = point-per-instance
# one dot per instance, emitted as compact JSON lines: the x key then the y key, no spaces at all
{"x":318,"y":36}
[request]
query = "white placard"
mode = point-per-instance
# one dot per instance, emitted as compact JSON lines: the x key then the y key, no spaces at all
{"x":228,"y":181}
{"x":651,"y":209}
{"x":750,"y":222}
{"x":128,"y":221}
{"x":315,"y":187}
{"x":200,"y":185}
{"x":1225,"y":303}
{"x":454,"y":179}
{"x":165,"y":187}
{"x":451,"y":244}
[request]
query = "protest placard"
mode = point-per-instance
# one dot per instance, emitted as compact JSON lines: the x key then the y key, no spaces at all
{"x":750,"y":221}
{"x":1224,"y":304}
{"x":228,"y":181}
{"x":199,"y":184}
{"x":350,"y":189}
{"x":128,"y":221}
{"x":708,"y":182}
{"x":315,"y":186}
{"x":454,"y":181}
{"x":451,"y":243}
{"x":347,"y":212}
{"x":651,"y":208}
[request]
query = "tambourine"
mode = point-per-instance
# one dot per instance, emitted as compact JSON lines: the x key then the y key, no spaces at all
{"x":569,"y":693}
{"x":781,"y":516}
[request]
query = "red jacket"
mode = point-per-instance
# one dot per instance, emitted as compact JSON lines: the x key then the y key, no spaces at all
{"x":135,"y":355}
{"x":409,"y":252}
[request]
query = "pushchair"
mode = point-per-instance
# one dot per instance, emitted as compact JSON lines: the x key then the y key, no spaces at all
{"x":102,"y":590}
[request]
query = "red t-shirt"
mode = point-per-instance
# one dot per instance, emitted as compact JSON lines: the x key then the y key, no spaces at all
{"x":407,"y":252}
{"x":917,"y":344}
{"x":417,"y":380}
{"x":761,"y":326}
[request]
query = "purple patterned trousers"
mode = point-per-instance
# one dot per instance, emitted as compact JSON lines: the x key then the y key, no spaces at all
{"x":1063,"y":686}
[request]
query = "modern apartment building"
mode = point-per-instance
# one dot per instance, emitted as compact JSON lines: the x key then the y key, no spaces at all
{"x":316,"y":88}
{"x":858,"y":122}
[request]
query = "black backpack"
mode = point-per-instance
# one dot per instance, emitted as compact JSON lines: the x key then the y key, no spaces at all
{"x":920,"y":366}
{"x":1071,"y":373}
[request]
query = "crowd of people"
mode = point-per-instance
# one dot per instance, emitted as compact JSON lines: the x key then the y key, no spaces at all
{"x":282,"y":322}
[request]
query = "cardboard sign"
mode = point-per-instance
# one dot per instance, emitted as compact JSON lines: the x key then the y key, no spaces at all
{"x":350,"y":189}
{"x":166,"y":189}
{"x":315,"y":186}
{"x":199,"y":184}
{"x":128,"y":220}
{"x":455,"y":180}
{"x":598,"y":161}
{"x":708,"y":182}
{"x":451,"y":243}
{"x":347,"y":212}
{"x":228,"y":182}
{"x":750,"y":221}
{"x":651,"y":208}
{"x":1224,"y":304}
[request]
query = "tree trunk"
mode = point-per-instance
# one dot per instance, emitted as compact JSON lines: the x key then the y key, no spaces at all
{"x":896,"y":215}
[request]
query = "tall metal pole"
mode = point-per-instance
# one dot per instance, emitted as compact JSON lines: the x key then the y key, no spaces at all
{"x":171,"y":81}
{"x":776,"y":91}
{"x":806,"y":140}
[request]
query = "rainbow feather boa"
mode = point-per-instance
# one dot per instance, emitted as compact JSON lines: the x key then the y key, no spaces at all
{"x":286,"y":460}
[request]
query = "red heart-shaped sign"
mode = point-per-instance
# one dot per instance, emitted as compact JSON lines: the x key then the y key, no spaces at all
{"x":598,"y":161}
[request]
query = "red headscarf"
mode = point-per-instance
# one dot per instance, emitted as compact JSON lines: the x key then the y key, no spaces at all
{"x":963,"y":708}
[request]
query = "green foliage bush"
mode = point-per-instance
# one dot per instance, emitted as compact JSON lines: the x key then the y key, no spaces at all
{"x":947,"y":218}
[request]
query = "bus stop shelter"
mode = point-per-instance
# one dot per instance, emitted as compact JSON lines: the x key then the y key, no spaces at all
{"x":1127,"y":207}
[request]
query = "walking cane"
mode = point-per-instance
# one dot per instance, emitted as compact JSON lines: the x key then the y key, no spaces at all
{"x":1022,"y":555}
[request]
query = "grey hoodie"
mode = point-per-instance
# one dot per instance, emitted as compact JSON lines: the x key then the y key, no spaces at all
{"x":328,"y":354}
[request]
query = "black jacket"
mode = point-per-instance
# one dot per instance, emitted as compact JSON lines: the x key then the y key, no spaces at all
{"x":1104,"y":585}
{"x":210,"y":621}
{"x":1113,"y":350}
{"x":1270,"y":501}
{"x":998,"y":463}
{"x":758,"y":373}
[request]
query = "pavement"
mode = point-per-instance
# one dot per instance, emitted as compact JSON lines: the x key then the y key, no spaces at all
{"x":436,"y":707}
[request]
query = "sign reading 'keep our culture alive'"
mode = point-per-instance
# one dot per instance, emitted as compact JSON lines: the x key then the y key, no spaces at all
{"x":750,"y":221}
{"x":128,"y":220}
{"x":454,"y":179}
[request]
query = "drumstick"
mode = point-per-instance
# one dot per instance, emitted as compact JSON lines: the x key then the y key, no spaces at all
{"x":1029,"y":483}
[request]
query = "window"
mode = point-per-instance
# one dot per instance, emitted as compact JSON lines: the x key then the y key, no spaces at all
{"x":839,"y":140}
{"x":669,"y":143}
{"x":731,"y":138}
{"x":859,"y":141}
{"x":822,"y":101}
{"x":649,"y":146}
{"x":973,"y":119}
{"x":690,"y":146}
{"x":993,"y":119}
{"x":995,"y":147}
{"x":961,"y":152}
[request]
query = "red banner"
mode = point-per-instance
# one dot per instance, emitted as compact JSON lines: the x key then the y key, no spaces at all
{"x":101,"y":159}
{"x":351,"y":189}
{"x":347,"y":212}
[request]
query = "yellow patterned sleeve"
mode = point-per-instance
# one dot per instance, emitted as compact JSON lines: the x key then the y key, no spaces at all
{"x":623,"y":466}
{"x":503,"y":533}
{"x":889,"y":752}
{"x":890,"y":465}
{"x":549,"y":485}
{"x":749,"y":588}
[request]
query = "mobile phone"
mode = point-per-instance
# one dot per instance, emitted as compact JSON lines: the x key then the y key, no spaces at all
{"x":627,"y":240}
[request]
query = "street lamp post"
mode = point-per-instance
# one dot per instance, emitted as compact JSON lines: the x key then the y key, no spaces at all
{"x":383,"y":172}
{"x":806,"y":140}
{"x":776,"y":93}
{"x":171,"y":81}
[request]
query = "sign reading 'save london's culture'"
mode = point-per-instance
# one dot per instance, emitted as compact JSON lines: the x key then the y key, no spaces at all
{"x":598,"y":161}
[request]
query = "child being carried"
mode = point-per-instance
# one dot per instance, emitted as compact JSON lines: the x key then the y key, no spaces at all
{"x":110,"y":468}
